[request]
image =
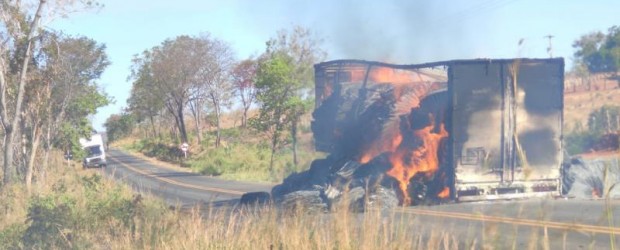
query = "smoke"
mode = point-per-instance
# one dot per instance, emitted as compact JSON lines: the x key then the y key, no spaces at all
{"x":399,"y":33}
{"x":593,"y":179}
{"x":402,"y":32}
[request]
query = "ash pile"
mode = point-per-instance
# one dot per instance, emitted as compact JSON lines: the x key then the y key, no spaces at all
{"x":386,"y":135}
{"x":592,"y":178}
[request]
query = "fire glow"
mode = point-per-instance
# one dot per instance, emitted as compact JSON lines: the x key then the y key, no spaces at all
{"x":411,"y":151}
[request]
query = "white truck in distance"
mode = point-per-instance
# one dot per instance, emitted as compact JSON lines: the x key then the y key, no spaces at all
{"x":95,"y":151}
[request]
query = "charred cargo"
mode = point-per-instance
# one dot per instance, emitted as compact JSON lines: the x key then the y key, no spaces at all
{"x":503,"y":120}
{"x":454,"y":130}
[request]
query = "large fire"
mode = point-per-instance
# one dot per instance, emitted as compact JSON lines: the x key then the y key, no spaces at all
{"x":422,"y":157}
{"x":411,"y":151}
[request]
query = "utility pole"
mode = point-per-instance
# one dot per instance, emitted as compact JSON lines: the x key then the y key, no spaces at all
{"x":550,"y":48}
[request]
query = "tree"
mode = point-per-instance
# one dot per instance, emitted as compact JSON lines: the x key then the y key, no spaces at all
{"x":604,"y":120}
{"x":168,"y":69}
{"x":276,"y":93}
{"x":30,"y":62}
{"x":244,"y":76}
{"x":119,"y":126}
{"x":599,"y":52}
{"x":144,"y":103}
{"x":216,"y":65}
{"x":24,"y":38}
{"x":185,"y":71}
{"x":303,"y":50}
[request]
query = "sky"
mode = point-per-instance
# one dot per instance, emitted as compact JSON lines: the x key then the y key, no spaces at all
{"x":402,"y":32}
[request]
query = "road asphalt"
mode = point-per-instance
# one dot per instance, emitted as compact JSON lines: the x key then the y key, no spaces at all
{"x":563,"y":223}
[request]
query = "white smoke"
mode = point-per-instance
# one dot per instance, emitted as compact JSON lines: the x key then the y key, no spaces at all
{"x":587,"y":177}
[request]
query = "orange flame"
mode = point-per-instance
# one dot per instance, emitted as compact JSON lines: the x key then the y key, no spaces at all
{"x":328,"y":89}
{"x":406,"y":163}
{"x":383,"y":75}
{"x":596,"y":193}
{"x":444,"y":193}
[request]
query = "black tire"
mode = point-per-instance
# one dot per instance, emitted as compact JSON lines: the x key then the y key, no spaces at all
{"x":255,"y":198}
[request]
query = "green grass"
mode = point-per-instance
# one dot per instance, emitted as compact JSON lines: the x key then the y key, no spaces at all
{"x":248,"y":162}
{"x":242,"y":156}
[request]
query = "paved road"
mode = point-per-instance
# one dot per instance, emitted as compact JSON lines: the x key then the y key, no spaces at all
{"x":176,"y":186}
{"x":566,"y":223}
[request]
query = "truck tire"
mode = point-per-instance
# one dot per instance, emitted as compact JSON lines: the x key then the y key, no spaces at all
{"x":255,"y":198}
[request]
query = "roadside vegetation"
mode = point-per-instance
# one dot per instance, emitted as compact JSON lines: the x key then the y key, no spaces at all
{"x":81,"y":209}
{"x":242,"y":156}
{"x":48,"y":88}
{"x":243,"y":119}
{"x":600,"y":134}
{"x":595,"y":53}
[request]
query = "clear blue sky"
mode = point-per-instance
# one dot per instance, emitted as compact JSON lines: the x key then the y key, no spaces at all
{"x":404,"y":31}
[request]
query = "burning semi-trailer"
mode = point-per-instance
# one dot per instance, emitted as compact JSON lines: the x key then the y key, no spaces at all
{"x":445,"y":131}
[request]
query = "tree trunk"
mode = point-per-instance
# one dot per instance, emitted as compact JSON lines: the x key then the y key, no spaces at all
{"x":36,"y":138}
{"x":216,"y":108}
{"x":181,"y":122}
{"x":218,"y":135}
{"x":8,"y":156}
{"x":198,"y":122}
{"x":294,"y":135}
{"x":153,"y":126}
{"x":46,"y":156}
{"x":274,"y":143}
{"x":244,"y":118}
{"x":10,"y":129}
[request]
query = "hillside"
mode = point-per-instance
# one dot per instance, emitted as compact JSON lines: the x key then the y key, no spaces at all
{"x":584,"y":95}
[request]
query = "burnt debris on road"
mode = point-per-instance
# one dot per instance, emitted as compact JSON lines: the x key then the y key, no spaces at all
{"x":417,"y":134}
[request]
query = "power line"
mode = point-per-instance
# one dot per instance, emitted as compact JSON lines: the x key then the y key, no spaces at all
{"x":550,"y":48}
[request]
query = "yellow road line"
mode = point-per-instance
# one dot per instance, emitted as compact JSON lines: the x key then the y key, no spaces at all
{"x":515,"y":221}
{"x":454,"y":215}
{"x":173,"y":182}
{"x":154,"y":161}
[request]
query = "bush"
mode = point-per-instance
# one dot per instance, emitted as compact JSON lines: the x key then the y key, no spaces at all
{"x":579,"y":142}
{"x":159,"y":150}
{"x":50,"y":223}
{"x":231,"y":159}
{"x":11,"y":237}
{"x":600,"y":122}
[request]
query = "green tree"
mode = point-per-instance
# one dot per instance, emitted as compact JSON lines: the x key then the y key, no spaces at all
{"x":144,"y":103}
{"x":303,"y":49}
{"x":604,"y":120}
{"x":119,"y":126}
{"x":600,"y":122}
{"x":28,"y":83}
{"x":599,"y":52}
{"x":276,"y":94}
{"x":10,"y":111}
{"x":181,"y":72}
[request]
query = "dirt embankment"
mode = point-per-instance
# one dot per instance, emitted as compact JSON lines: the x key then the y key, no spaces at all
{"x":582,"y":95}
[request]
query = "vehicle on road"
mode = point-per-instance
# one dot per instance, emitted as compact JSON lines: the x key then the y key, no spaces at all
{"x":95,"y":151}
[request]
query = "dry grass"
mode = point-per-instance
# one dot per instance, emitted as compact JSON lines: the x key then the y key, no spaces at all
{"x":578,"y":106}
{"x":153,"y":225}
{"x":269,"y":228}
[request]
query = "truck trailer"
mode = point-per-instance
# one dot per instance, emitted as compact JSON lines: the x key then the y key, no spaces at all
{"x":462,"y":130}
